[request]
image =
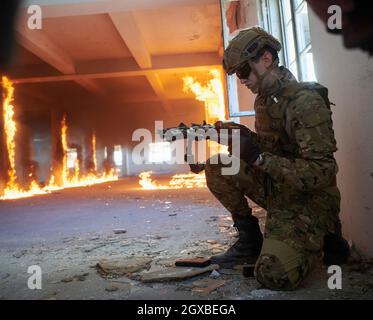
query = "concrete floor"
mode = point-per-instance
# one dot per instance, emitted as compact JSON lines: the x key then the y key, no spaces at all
{"x":66,"y":233}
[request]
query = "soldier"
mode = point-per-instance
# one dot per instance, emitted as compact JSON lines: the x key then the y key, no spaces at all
{"x":287,"y":167}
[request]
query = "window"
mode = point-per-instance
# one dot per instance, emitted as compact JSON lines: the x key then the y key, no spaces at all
{"x":295,"y":34}
{"x":118,"y":157}
{"x":159,"y":152}
{"x":72,"y":157}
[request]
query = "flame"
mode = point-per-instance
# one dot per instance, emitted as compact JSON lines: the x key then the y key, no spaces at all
{"x":65,"y":169}
{"x":178,"y":181}
{"x":10,"y":130}
{"x":94,"y":156}
{"x":12,"y":189}
{"x":212,"y":94}
{"x":76,"y":180}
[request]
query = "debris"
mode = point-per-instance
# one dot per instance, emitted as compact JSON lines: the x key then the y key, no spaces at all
{"x":19,"y":254}
{"x":174,"y":274}
{"x":78,"y":277}
{"x":358,"y":262}
{"x":214,"y":274}
{"x":90,"y":249}
{"x":158,"y":237}
{"x":124,"y":286}
{"x":65,"y":240}
{"x":119,"y":231}
{"x":205,"y":287}
{"x":81,"y":277}
{"x":122,"y":266}
{"x":4,"y":275}
{"x":211,"y":241}
{"x":230,"y":272}
{"x":262,"y":293}
{"x":213,"y":218}
{"x":111,"y":288}
{"x":361,"y":266}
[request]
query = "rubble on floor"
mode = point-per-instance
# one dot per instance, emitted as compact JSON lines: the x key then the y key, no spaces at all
{"x":173,"y":274}
{"x":103,"y":263}
{"x":120,"y":266}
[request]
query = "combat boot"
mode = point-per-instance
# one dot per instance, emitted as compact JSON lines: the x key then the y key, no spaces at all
{"x":336,"y":248}
{"x":246,"y":249}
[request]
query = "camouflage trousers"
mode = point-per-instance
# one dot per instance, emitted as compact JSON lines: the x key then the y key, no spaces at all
{"x":295,"y":226}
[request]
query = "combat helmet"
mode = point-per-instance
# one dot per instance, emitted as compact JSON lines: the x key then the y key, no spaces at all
{"x":246,"y":46}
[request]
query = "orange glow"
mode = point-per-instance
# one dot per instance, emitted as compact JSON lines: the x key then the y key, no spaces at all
{"x":12,"y":189}
{"x":76,"y":180}
{"x":94,"y":152}
{"x":178,"y":181}
{"x":212,"y":94}
{"x":10,"y":130}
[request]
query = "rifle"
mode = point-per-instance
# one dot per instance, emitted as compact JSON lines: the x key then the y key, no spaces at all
{"x":198,"y":132}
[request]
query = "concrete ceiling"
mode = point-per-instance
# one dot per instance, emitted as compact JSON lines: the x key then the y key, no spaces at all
{"x":137,"y":51}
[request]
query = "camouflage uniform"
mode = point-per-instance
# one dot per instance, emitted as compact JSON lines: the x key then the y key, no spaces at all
{"x":296,"y":183}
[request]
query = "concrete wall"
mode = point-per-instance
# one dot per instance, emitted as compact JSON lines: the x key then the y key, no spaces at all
{"x":349,"y":77}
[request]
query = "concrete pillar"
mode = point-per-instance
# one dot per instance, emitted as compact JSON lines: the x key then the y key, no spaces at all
{"x":57,"y":148}
{"x":125,"y":162}
{"x":24,"y":165}
{"x":109,"y":161}
{"x":88,"y":152}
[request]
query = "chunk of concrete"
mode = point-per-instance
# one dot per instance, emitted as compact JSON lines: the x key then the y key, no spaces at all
{"x":124,"y":266}
{"x":205,"y":287}
{"x":174,"y":274}
{"x":119,"y":231}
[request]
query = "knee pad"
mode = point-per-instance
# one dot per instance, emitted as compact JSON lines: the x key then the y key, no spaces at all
{"x":280,"y":267}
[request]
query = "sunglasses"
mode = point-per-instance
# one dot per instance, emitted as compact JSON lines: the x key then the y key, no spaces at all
{"x":244,"y":72}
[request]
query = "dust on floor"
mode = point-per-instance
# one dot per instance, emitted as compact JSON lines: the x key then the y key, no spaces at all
{"x":98,"y":242}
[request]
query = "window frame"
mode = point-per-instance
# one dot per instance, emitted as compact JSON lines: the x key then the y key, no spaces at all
{"x":231,"y":81}
{"x":300,"y":69}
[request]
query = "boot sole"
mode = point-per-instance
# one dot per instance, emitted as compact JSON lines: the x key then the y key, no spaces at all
{"x":231,"y":264}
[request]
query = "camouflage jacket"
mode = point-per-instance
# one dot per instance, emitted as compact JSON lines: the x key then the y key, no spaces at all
{"x":294,"y":130}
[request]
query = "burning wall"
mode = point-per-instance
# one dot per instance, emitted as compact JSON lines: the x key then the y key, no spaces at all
{"x":61,"y":176}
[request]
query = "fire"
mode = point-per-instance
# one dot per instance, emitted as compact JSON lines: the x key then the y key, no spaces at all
{"x":76,"y":180}
{"x":94,"y":152}
{"x":12,"y":189}
{"x":147,"y":183}
{"x":65,"y":169}
{"x":10,"y":130}
{"x":178,"y":181}
{"x":212,"y":94}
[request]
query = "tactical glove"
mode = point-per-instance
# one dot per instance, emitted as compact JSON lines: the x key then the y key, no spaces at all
{"x":249,"y":151}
